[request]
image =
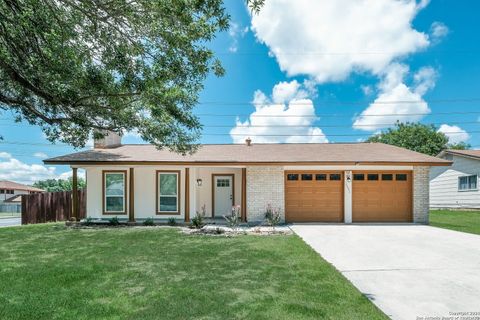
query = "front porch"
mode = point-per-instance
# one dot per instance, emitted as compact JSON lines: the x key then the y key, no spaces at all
{"x":137,"y":193}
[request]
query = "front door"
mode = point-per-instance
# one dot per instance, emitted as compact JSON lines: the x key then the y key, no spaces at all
{"x":222,"y":194}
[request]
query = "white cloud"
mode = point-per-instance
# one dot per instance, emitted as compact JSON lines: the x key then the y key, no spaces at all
{"x":395,"y":96}
{"x":366,"y":89}
{"x":5,"y":155}
{"x":66,"y":175}
{"x":291,"y":101}
{"x":438,"y":31}
{"x":235,"y":32}
{"x":41,"y":155}
{"x":455,"y":134}
{"x":18,"y":171}
{"x":327,"y":40}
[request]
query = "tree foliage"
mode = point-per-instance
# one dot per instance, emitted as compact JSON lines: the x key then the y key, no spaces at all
{"x":74,"y":66}
{"x":55,"y":185}
{"x":417,"y":137}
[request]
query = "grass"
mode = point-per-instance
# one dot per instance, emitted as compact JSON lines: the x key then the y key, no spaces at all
{"x":10,"y":215}
{"x":50,"y":272}
{"x":459,"y":220}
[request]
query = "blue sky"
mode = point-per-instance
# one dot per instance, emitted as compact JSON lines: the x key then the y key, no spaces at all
{"x":334,"y":71}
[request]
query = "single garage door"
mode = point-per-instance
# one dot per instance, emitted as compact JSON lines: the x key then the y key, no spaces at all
{"x":382,"y":196}
{"x":312,"y":196}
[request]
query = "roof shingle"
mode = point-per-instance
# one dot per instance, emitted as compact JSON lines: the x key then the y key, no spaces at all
{"x":256,"y":153}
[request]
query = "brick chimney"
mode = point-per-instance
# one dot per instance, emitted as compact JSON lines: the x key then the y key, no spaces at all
{"x":248,"y":141}
{"x":110,"y":140}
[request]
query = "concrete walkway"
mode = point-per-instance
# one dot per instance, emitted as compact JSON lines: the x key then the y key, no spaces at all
{"x":9,"y":222}
{"x":410,"y":272}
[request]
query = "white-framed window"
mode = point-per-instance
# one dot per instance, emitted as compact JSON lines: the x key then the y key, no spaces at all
{"x":467,"y":183}
{"x":114,"y":192}
{"x":168,"y":192}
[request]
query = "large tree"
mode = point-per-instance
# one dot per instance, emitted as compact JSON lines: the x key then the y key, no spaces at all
{"x":417,"y":137}
{"x":78,"y":66}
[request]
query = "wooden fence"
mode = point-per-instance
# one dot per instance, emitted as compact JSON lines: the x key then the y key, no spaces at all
{"x":51,"y":207}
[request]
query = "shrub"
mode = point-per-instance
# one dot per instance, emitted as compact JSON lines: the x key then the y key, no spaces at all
{"x":72,"y":219}
{"x":172,"y":221}
{"x":198,"y":220}
{"x":88,"y":221}
{"x":149,"y":222}
{"x":234,"y":219}
{"x":272,"y":216}
{"x":114,"y":221}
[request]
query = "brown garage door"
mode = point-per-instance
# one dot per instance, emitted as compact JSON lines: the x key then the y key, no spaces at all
{"x":382,"y":196}
{"x":312,"y":196}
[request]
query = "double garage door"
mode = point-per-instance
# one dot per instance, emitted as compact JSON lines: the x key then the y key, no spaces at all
{"x":318,"y":196}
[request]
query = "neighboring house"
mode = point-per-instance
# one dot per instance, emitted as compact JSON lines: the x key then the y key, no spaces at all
{"x":456,"y":186}
{"x":9,"y":190}
{"x":345,"y":182}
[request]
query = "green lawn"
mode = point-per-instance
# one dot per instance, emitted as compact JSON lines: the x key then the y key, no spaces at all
{"x":50,"y":272}
{"x":9,"y":215}
{"x":465,"y":221}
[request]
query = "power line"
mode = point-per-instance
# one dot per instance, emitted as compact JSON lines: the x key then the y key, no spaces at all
{"x":336,"y":115}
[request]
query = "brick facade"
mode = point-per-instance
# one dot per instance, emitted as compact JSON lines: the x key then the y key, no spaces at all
{"x":421,"y":204}
{"x":265,"y":185}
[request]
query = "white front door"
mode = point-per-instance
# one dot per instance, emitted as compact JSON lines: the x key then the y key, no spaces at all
{"x":223,"y":195}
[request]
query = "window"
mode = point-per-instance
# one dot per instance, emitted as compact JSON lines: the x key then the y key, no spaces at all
{"x":114,"y":192}
{"x":335,"y":176}
{"x":467,"y":183}
{"x":372,"y":177}
{"x":2,"y":191}
{"x":292,"y":177}
{"x":401,"y":177}
{"x":167,"y":191}
{"x":307,"y":177}
{"x":387,"y":177}
{"x":223,"y":183}
{"x":358,"y":176}
{"x":321,"y":177}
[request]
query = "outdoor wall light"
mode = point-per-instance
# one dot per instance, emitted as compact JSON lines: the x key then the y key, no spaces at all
{"x":199,"y":182}
{"x":349,"y":177}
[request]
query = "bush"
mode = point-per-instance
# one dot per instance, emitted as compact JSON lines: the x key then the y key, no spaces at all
{"x":272,"y":216}
{"x":149,"y":222}
{"x":88,"y":221}
{"x":114,"y":221}
{"x":233,"y":220}
{"x":172,"y":221}
{"x":198,"y":220}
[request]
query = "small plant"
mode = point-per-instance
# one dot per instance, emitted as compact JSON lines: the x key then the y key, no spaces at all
{"x":88,"y":221}
{"x":114,"y":221}
{"x":272,"y":216}
{"x":233,"y":220}
{"x":198,"y":220}
{"x":72,"y":219}
{"x":149,"y":222}
{"x":172,"y":222}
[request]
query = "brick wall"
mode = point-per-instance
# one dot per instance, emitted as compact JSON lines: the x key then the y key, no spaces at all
{"x":265,"y":186}
{"x":421,"y":183}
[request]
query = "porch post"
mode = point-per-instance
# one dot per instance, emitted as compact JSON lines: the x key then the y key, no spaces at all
{"x":187,"y":195}
{"x":75,"y":194}
{"x":244,"y":195}
{"x":131,"y":196}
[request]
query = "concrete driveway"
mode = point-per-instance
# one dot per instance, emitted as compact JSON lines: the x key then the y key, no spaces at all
{"x":9,"y":222}
{"x":408,"y":271}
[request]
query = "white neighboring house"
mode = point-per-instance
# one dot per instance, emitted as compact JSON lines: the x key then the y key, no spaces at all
{"x":10,"y":190}
{"x":456,"y":186}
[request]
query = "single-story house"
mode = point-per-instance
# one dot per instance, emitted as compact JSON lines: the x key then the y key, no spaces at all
{"x":456,"y":186}
{"x":10,"y":189}
{"x":344,"y":182}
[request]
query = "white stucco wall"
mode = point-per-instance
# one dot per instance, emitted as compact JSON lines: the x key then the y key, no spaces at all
{"x":145,"y":189}
{"x":444,"y":184}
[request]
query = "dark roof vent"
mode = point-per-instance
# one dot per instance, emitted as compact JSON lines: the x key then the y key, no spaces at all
{"x":248,"y":141}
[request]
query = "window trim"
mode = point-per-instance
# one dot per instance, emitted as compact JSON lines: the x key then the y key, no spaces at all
{"x":467,"y":176}
{"x":104,"y":194}
{"x":157,"y":192}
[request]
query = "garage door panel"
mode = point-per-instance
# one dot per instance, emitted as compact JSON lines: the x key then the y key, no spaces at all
{"x":314,"y":200}
{"x":382,"y":200}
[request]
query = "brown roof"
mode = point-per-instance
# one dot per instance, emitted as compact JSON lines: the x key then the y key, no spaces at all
{"x":467,"y":153}
{"x":294,"y":153}
{"x":5,"y":184}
